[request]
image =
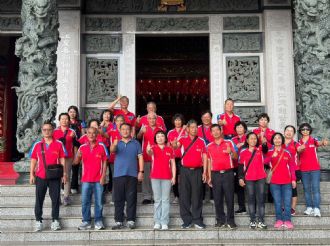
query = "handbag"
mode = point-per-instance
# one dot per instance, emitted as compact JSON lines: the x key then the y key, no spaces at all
{"x":204,"y":136}
{"x":271,"y":171}
{"x":248,"y":165}
{"x":53,"y":171}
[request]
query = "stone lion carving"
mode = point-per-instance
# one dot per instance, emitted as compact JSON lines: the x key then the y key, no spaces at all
{"x":37,"y":99}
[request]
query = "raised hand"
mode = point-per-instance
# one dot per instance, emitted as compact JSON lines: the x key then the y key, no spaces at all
{"x":148,"y":147}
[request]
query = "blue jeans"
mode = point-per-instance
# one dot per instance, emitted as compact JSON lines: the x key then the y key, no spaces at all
{"x":87,"y":190}
{"x":311,"y":183}
{"x":161,"y":189}
{"x":282,"y":194}
{"x":255,"y":190}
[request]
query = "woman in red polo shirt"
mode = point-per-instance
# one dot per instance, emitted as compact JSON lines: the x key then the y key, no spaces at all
{"x":282,"y":181}
{"x":310,"y":169}
{"x":162,"y":177}
{"x":252,"y":176}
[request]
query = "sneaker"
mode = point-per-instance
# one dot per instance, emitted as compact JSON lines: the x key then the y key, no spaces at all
{"x":176,"y":200}
{"x":99,"y":225}
{"x":84,"y":226}
{"x":253,"y":225}
{"x":74,"y":191}
{"x":186,"y":226}
{"x":164,"y":227}
{"x":55,"y":226}
{"x":317,"y":212}
{"x":278,"y":224}
{"x":220,"y":224}
{"x":309,"y":211}
{"x":118,"y":226}
{"x":200,"y":226}
{"x":232,"y":226}
{"x":146,"y":201}
{"x":262,"y":225}
{"x":66,"y":201}
{"x":293,"y":212}
{"x":212,"y":201}
{"x":157,"y":226}
{"x":131,"y":224}
{"x":240,"y":211}
{"x":288,"y":224}
{"x":38,"y":226}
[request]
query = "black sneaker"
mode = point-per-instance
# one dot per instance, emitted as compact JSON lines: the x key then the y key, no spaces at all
{"x":146,"y":201}
{"x":262,"y":225}
{"x":186,"y":225}
{"x":118,"y":226}
{"x":253,"y":225}
{"x":220,"y":224}
{"x":240,"y":211}
{"x":200,"y":226}
{"x":232,"y":226}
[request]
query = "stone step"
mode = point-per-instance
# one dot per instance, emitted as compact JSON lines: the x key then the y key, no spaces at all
{"x":30,"y":189}
{"x":108,"y":209}
{"x":242,"y":233}
{"x":9,"y":223}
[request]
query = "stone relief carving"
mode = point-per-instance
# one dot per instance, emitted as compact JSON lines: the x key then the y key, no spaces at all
{"x":102,"y":80}
{"x":102,"y":24}
{"x":10,"y":23}
{"x":37,"y":99}
{"x":10,"y":5}
{"x":243,"y":78}
{"x":100,"y":43}
{"x":249,"y":114}
{"x":173,"y":24}
{"x":242,"y":42}
{"x":241,"y":23}
{"x":92,"y":113}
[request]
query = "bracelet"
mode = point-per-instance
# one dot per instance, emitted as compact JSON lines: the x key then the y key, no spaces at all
{"x":141,"y":171}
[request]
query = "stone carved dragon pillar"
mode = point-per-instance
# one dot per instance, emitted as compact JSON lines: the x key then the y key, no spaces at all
{"x":312,"y":66}
{"x":37,"y":99}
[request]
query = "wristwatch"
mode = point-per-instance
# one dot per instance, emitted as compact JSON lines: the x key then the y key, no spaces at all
{"x":141,"y":171}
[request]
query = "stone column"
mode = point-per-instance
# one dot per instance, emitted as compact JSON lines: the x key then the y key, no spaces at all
{"x":280,"y":84}
{"x":68,"y":60}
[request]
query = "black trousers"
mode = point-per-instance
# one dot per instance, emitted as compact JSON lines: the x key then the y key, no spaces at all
{"x":239,"y":190}
{"x":125,"y":190}
{"x":176,"y":186}
{"x":75,"y":177}
{"x":223,"y":188}
{"x":191,"y":195}
{"x":54,"y":193}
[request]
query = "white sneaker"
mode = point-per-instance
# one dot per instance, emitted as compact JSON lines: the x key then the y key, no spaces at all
{"x":164,"y":227}
{"x":157,"y":227}
{"x":176,"y":200}
{"x":99,"y":225}
{"x":317,"y":212}
{"x":55,"y":226}
{"x":74,"y":191}
{"x":38,"y":226}
{"x":309,"y":211}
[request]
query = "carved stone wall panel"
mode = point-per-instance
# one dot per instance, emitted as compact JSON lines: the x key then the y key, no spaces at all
{"x":101,"y":43}
{"x":243,"y":78}
{"x":231,"y":23}
{"x":92,"y":113}
{"x":172,"y":24}
{"x":10,"y":23}
{"x":101,"y":80}
{"x":102,"y":24}
{"x":249,"y":114}
{"x":12,"y":6}
{"x":242,"y":42}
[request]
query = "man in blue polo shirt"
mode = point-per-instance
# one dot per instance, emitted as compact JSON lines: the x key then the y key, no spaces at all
{"x":127,"y":173}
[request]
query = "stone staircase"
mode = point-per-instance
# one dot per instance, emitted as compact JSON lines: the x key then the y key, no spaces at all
{"x":17,"y":220}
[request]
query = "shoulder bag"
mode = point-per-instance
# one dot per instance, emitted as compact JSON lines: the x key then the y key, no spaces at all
{"x":53,"y":171}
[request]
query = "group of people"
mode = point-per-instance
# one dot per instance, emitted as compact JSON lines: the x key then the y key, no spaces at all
{"x":190,"y":159}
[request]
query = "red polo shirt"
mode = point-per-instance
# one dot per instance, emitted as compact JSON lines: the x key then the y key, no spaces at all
{"x":161,"y":162}
{"x":229,"y":128}
{"x":159,"y":122}
{"x":268,"y":133}
{"x":292,"y":148}
{"x":308,"y":157}
{"x":148,"y":136}
{"x":92,"y":161}
{"x":113,"y":134}
{"x":58,"y":133}
{"x":256,"y":169}
{"x":285,"y":171}
{"x":194,"y":157}
{"x":207,"y":131}
{"x":129,"y":116}
{"x":217,"y":154}
{"x":175,"y":135}
{"x":238,"y":140}
{"x":53,"y":152}
{"x":84,"y":139}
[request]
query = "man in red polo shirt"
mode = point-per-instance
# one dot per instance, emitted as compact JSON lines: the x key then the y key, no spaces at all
{"x":220,"y":154}
{"x":151,"y":108}
{"x":228,"y":119}
{"x":129,"y":116}
{"x":93,"y":156}
{"x":54,"y":152}
{"x":147,"y":134}
{"x":192,"y":176}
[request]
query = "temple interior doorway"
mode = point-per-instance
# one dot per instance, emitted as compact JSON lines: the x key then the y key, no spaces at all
{"x":173,"y":71}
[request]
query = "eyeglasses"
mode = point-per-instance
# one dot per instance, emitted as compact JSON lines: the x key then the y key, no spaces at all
{"x":305,"y":129}
{"x":47,"y":130}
